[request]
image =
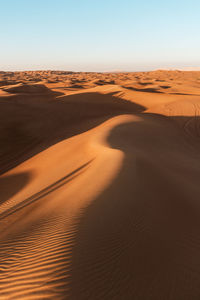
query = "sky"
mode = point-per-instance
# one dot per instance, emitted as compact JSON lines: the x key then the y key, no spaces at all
{"x":99,"y":35}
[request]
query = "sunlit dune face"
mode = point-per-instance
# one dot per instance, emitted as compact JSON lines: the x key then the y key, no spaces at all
{"x":99,"y":185}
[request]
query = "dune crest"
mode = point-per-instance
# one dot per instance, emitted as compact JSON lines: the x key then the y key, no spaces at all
{"x":99,"y":185}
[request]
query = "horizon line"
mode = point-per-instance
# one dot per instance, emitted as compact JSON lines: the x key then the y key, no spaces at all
{"x":189,"y":69}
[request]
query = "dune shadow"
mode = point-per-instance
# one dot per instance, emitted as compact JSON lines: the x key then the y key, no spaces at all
{"x":165,"y":86}
{"x":140,"y":238}
{"x":145,"y":90}
{"x":41,"y":121}
{"x":32,"y":89}
{"x":104,"y":82}
{"x":44,"y":192}
{"x":12,"y":184}
{"x":75,"y":86}
{"x":145,"y":83}
{"x":184,"y":94}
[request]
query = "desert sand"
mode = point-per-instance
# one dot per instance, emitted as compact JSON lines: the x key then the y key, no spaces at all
{"x":99,"y":185}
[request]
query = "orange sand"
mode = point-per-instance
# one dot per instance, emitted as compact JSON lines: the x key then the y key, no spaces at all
{"x":99,"y":185}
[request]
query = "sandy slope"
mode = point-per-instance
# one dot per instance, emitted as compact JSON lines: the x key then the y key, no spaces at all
{"x":99,"y":185}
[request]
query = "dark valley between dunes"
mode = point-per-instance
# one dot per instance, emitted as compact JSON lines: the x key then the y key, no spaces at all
{"x":99,"y":185}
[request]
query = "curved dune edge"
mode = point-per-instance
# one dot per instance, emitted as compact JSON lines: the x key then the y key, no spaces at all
{"x":100,"y":217}
{"x":95,"y":206}
{"x":36,"y":254}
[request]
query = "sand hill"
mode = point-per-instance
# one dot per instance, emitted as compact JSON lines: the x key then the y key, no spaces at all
{"x":99,"y":185}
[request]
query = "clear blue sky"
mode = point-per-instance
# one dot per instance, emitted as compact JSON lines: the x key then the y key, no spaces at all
{"x":99,"y":35}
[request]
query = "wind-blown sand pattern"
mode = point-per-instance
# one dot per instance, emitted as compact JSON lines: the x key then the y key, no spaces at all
{"x":99,"y":185}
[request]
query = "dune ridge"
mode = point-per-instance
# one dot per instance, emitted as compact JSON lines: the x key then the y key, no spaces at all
{"x":99,"y":185}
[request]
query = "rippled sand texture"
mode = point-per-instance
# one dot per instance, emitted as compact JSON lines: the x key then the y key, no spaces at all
{"x":100,"y":185}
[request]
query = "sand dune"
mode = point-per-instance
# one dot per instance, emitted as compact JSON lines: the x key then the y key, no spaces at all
{"x":99,"y":185}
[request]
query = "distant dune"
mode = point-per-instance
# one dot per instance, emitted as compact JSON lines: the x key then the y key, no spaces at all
{"x":99,"y":185}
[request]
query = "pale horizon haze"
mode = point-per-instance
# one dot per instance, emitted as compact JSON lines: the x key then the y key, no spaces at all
{"x":107,"y":35}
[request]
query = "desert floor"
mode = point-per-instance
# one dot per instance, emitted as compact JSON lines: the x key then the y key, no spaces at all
{"x":100,"y":185}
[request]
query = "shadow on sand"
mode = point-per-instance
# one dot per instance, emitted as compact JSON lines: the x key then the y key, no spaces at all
{"x":140,"y":238}
{"x":30,"y":124}
{"x":16,"y":181}
{"x":20,"y":183}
